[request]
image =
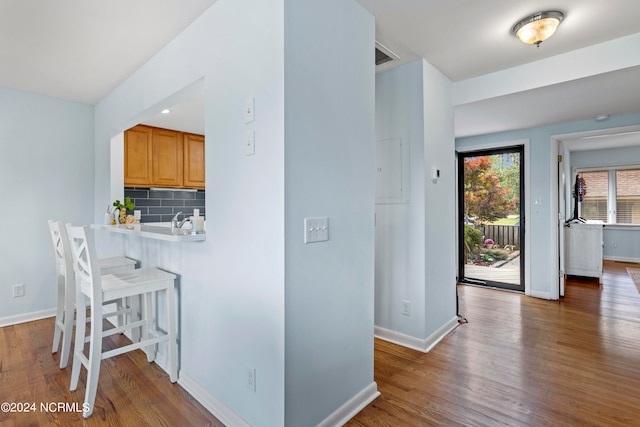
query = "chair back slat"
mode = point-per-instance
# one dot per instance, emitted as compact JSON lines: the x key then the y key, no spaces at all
{"x":61,"y":249}
{"x":85,"y":261}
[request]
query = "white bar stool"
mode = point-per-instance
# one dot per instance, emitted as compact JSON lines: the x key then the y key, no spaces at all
{"x":66,"y":287}
{"x":90,"y":284}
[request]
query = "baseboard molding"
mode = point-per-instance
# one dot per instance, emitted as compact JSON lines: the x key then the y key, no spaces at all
{"x":620,"y":259}
{"x":221,"y":411}
{"x":540,"y":294}
{"x":356,"y":404}
{"x":424,"y":345}
{"x":27,"y":317}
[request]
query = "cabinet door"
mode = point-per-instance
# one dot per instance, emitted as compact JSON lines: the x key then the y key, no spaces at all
{"x":194,"y":161}
{"x":137,"y":156}
{"x":167,"y":158}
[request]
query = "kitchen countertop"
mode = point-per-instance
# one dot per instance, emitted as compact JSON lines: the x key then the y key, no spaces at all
{"x":157,"y":232}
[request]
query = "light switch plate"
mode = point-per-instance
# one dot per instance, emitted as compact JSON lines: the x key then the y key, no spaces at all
{"x":249,"y":142}
{"x":316,"y":229}
{"x":249,"y":114}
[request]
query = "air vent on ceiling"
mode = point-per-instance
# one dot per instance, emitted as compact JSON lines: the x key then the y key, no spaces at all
{"x":384,"y":55}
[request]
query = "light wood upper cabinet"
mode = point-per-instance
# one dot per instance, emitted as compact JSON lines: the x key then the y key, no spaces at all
{"x":163,"y":158}
{"x":138,"y":156}
{"x":167,"y":158}
{"x":194,"y":176}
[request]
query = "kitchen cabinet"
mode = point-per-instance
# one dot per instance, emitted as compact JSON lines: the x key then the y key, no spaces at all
{"x":163,"y":158}
{"x":138,"y":156}
{"x":583,"y":243}
{"x":168,"y":164}
{"x":193,"y":147}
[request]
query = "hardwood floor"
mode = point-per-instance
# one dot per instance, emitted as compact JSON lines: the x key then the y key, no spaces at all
{"x":521,"y":361}
{"x":131,"y":391}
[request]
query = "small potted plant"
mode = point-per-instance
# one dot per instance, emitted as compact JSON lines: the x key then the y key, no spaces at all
{"x":127,"y":206}
{"x":488,"y":243}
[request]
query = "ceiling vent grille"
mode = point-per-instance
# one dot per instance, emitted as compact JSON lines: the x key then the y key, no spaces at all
{"x":384,"y":55}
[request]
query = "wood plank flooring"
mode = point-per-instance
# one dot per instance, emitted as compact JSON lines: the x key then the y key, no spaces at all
{"x":521,"y":361}
{"x":131,"y":391}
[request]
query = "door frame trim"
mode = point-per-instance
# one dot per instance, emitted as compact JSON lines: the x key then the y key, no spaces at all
{"x":526,"y":143}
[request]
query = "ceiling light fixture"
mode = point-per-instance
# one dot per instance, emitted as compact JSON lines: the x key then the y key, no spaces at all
{"x":165,"y":111}
{"x":538,"y":27}
{"x":601,"y":117}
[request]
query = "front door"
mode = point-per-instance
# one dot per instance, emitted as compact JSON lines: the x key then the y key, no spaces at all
{"x":491,"y":217}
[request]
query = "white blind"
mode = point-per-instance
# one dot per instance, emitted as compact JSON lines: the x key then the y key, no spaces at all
{"x":594,"y":205}
{"x":628,"y":196}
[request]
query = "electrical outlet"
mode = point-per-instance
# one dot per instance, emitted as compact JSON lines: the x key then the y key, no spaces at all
{"x":251,"y":379}
{"x":614,"y":244}
{"x":18,"y":290}
{"x":406,"y":307}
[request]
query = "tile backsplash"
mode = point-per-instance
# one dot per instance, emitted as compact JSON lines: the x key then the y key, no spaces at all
{"x":160,"y":205}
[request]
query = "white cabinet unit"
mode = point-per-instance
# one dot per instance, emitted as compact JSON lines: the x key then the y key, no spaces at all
{"x":583,"y":243}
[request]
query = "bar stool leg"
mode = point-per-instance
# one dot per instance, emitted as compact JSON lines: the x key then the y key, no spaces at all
{"x":150,"y":324}
{"x":172,"y":344}
{"x":95,"y":357}
{"x":81,"y":326}
{"x":69,"y":314}
{"x":59,"y":315}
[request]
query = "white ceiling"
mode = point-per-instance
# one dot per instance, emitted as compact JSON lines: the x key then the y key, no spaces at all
{"x":81,"y":50}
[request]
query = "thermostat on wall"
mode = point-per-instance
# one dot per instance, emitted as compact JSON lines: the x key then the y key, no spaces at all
{"x":435,"y":173}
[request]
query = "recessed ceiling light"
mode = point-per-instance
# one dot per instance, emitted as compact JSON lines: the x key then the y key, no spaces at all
{"x":165,"y":111}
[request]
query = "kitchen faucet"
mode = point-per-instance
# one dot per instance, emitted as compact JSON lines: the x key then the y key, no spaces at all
{"x":178,"y":224}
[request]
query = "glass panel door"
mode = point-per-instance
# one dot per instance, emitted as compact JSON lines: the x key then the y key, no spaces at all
{"x":491,"y":218}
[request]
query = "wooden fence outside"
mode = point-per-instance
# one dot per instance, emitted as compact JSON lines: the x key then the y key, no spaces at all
{"x":501,"y":235}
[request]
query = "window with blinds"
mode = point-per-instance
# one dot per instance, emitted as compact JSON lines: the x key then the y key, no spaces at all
{"x":594,"y":205}
{"x":628,"y":196}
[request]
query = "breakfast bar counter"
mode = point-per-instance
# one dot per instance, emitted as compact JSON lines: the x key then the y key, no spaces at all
{"x":157,"y":232}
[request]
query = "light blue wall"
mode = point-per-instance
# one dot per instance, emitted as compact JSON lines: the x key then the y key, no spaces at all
{"x":46,"y":172}
{"x":415,"y":240}
{"x":400,"y":227}
{"x":540,"y":228}
{"x":314,"y":156}
{"x":231,"y":290}
{"x":329,"y":171}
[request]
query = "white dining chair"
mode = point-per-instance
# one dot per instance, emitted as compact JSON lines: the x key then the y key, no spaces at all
{"x":144,"y":282}
{"x":65,"y":309}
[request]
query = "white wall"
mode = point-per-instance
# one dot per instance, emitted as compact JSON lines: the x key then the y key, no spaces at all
{"x":329,"y":171}
{"x":400,"y":227}
{"x":415,"y":241}
{"x":440,"y":200}
{"x":232,"y":287}
{"x":46,"y":172}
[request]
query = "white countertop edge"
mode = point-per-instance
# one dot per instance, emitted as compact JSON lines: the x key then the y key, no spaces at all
{"x":138,"y":230}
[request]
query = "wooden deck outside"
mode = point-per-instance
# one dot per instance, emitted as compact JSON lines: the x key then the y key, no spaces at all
{"x":508,"y":273}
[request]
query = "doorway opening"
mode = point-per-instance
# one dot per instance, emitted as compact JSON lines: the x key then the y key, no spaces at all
{"x":491,"y":217}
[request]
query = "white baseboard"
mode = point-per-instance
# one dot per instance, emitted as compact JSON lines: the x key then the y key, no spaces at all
{"x":540,"y":294}
{"x":421,"y":344}
{"x":356,"y":404}
{"x":221,"y":411}
{"x":620,"y":258}
{"x":27,"y":317}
